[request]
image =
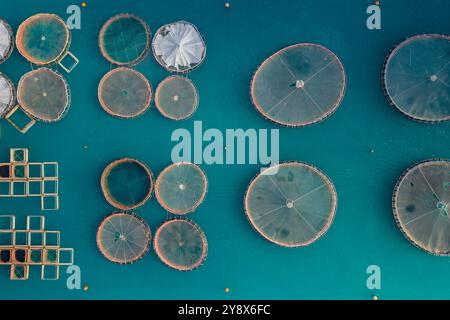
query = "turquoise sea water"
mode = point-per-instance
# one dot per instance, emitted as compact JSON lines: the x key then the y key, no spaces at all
{"x":238,"y":40}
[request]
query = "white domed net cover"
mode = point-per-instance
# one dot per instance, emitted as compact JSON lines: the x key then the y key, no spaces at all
{"x":125,"y":93}
{"x":181,"y":244}
{"x":123,"y":238}
{"x":421,"y":205}
{"x":44,"y":95}
{"x":416,"y":77}
{"x":179,"y":47}
{"x":6,"y":40}
{"x":181,"y":188}
{"x":291,"y":204}
{"x":43,"y":38}
{"x":176,"y":98}
{"x":7,"y":97}
{"x":299,"y":85}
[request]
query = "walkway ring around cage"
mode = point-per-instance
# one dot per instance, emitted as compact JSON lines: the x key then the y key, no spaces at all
{"x":123,"y":238}
{"x":107,"y":191}
{"x":132,"y":89}
{"x":179,"y":186}
{"x":421,"y":205}
{"x":6,"y":41}
{"x":113,"y":57}
{"x":299,"y":81}
{"x":44,"y":39}
{"x":181,"y":244}
{"x":184,"y":51}
{"x":265,"y":193}
{"x":42,"y":95}
{"x":169,"y":95}
{"x":7,"y":95}
{"x":414,"y":73}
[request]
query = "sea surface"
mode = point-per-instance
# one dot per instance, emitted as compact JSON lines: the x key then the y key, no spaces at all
{"x":364,"y":147}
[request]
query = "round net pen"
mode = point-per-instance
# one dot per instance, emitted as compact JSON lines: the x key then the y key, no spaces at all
{"x":124,"y":40}
{"x":299,"y":85}
{"x":421,"y":204}
{"x":291,"y":204}
{"x":125,"y":93}
{"x":181,"y":188}
{"x":179,"y":47}
{"x":6,"y":41}
{"x":181,"y":244}
{"x":43,"y":95}
{"x":44,"y":39}
{"x":7,"y":95}
{"x":416,"y":78}
{"x":123,"y":238}
{"x":176,"y":98}
{"x":127,"y":183}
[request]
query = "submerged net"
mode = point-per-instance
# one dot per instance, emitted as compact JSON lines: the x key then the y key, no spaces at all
{"x":181,"y":244}
{"x":6,"y":41}
{"x":7,"y":95}
{"x":43,"y":38}
{"x":299,"y":85}
{"x":176,"y":98}
{"x":181,"y":188}
{"x":123,"y":238}
{"x":421,"y":205}
{"x":127,"y":183}
{"x":124,"y":39}
{"x":44,"y":95}
{"x":292,"y":204}
{"x":124,"y":93}
{"x":179,"y":47}
{"x":416,"y":77}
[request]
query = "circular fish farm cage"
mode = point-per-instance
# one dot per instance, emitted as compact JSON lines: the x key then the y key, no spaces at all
{"x":181,"y":244}
{"x":291,"y":204}
{"x":421,"y":204}
{"x":44,"y":95}
{"x":127,"y":183}
{"x":7,"y":95}
{"x":123,"y":238}
{"x":181,"y":187}
{"x":6,"y":41}
{"x":43,"y":39}
{"x":299,"y":85}
{"x":124,"y":40}
{"x":179,"y":47}
{"x":176,"y":98}
{"x":125,"y":93}
{"x":416,"y":78}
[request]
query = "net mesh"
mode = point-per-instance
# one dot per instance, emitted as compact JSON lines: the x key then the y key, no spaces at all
{"x":127,"y":183}
{"x":422,"y":205}
{"x":43,"y":38}
{"x":179,"y":47}
{"x":125,"y":93}
{"x":291,"y":204}
{"x":181,"y":188}
{"x":299,"y":85}
{"x":416,"y":77}
{"x":44,"y":95}
{"x":124,"y":40}
{"x":176,"y":98}
{"x":6,"y":41}
{"x":123,"y":238}
{"x":7,"y":95}
{"x":181,"y":244}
